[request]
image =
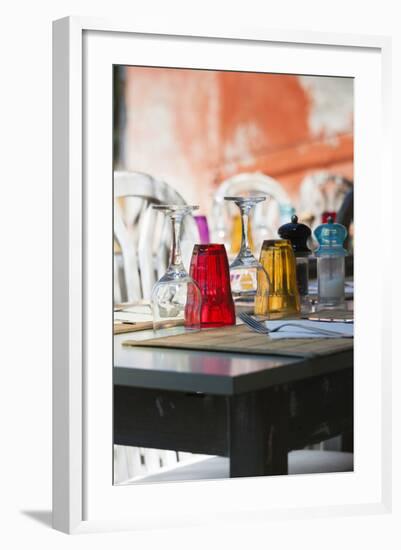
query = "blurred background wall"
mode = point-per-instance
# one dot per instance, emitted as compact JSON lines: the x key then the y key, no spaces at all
{"x":194,"y":128}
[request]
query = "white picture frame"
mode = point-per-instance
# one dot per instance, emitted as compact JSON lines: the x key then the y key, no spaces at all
{"x":83,"y":496}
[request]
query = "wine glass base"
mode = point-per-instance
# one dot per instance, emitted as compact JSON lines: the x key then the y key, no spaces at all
{"x":169,"y":327}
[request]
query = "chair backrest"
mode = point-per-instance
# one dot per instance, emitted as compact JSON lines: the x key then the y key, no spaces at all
{"x":345,"y":216}
{"x":143,"y":234}
{"x":320,"y":192}
{"x":132,"y":463}
{"x":266,"y":216}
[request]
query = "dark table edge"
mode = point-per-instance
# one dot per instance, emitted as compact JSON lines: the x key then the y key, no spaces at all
{"x":213,"y":384}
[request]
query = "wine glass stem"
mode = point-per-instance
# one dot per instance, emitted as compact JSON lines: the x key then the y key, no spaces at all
{"x":244,"y":229}
{"x":176,"y":257}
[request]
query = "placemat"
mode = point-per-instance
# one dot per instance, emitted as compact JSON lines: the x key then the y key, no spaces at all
{"x":240,"y":339}
{"x":136,"y":326}
{"x":331,"y":315}
{"x":121,"y":328}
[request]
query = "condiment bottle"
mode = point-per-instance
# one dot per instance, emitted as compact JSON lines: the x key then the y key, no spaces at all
{"x":298,"y":234}
{"x":330,"y":264}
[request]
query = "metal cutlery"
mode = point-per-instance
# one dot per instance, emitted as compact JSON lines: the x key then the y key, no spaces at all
{"x":260,"y":327}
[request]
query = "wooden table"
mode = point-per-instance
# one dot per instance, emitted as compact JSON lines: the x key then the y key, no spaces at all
{"x":252,"y":409}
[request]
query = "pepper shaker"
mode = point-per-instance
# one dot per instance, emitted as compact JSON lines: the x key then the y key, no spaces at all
{"x":330,"y":265}
{"x":298,"y":234}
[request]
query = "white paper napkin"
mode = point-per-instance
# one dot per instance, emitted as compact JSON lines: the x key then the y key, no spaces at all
{"x":346,"y":330}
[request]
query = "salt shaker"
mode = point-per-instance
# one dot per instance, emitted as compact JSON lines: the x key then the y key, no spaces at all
{"x":330,"y":265}
{"x":298,"y":234}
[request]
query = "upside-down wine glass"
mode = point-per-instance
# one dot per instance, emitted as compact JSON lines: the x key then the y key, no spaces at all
{"x":176,"y":298}
{"x":245,"y":270}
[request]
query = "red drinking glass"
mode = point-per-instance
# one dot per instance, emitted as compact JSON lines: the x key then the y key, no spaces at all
{"x":209,"y":269}
{"x":326,"y":215}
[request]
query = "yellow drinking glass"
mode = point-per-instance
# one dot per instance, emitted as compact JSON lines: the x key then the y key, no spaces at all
{"x":282,"y":300}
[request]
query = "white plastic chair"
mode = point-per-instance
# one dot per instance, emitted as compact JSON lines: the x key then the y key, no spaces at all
{"x":267,"y":216}
{"x":143,"y":234}
{"x":138,"y":462}
{"x":144,"y":237}
{"x":320,"y":192}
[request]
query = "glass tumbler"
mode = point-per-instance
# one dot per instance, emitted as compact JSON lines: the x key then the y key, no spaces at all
{"x":209,"y":269}
{"x":283,"y":300}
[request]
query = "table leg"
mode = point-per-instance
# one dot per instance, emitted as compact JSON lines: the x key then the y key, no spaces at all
{"x":258,"y":433}
{"x":347,"y":441}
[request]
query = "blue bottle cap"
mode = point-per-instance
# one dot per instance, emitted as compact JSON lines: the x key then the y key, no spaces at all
{"x":330,"y":237}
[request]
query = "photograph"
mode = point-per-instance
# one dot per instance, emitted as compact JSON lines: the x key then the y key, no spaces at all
{"x":232,"y":260}
{"x":212,"y":358}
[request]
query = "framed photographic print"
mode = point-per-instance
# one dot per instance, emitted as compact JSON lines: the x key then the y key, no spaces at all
{"x":215,"y":209}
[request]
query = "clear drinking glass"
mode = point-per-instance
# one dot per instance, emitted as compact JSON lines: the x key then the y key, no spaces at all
{"x":176,"y":298}
{"x":245,"y":270}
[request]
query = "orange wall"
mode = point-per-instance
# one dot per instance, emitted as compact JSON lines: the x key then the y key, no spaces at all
{"x":193,"y":128}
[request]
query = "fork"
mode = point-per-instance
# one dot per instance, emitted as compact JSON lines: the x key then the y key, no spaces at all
{"x":260,"y":327}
